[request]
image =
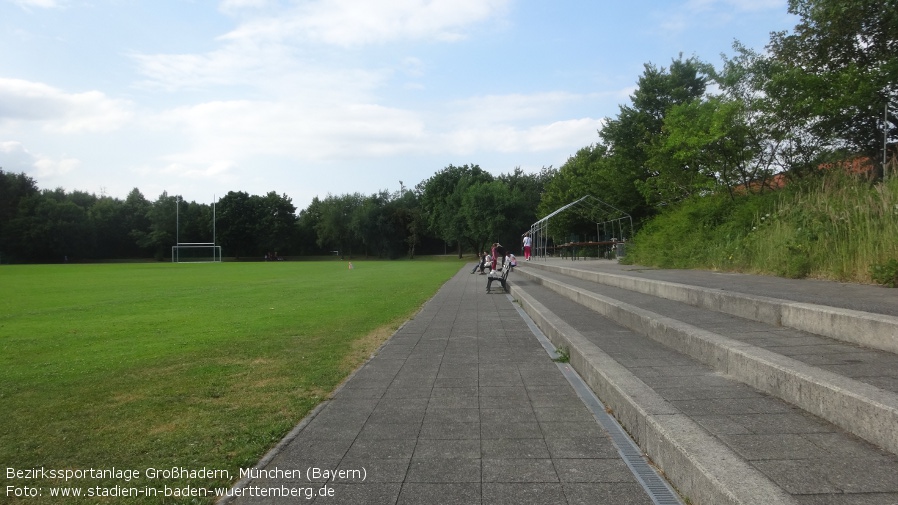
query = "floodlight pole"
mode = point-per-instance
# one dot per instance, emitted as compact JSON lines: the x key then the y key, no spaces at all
{"x":885,"y":136}
{"x":177,"y":229}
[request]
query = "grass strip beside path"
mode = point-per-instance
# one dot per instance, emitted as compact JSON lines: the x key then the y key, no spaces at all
{"x":137,"y":366}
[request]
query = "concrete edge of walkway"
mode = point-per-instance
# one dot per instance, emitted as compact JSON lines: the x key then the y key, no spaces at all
{"x":875,"y":331}
{"x":867,"y":411}
{"x":702,"y":468}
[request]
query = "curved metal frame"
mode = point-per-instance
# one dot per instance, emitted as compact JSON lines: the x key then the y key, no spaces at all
{"x":614,"y":217}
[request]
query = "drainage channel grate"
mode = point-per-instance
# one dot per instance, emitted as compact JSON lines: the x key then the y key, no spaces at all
{"x":655,"y":486}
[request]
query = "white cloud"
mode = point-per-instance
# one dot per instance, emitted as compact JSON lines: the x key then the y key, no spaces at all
{"x":42,"y":4}
{"x":218,"y":170}
{"x":271,"y":70}
{"x":558,"y":135}
{"x":233,"y":6}
{"x":709,"y":13}
{"x":268,"y":54}
{"x":574,"y":133}
{"x":492,"y":109}
{"x":227,"y":137}
{"x":58,"y":111}
{"x":49,"y":168}
{"x":14,"y":157}
{"x":231,"y":140}
{"x":358,"y":22}
{"x":738,"y":5}
{"x":413,"y":67}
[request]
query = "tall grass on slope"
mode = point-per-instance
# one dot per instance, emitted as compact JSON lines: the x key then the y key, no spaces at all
{"x":702,"y":232}
{"x":834,"y":227}
{"x":138,"y":366}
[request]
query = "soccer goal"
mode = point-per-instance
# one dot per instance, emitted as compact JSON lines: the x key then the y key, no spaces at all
{"x":194,"y":252}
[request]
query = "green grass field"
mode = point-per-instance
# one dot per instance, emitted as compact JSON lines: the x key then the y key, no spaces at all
{"x":158,"y":365}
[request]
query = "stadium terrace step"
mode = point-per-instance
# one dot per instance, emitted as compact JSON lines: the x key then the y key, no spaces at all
{"x":732,"y":409}
{"x":869,"y":329}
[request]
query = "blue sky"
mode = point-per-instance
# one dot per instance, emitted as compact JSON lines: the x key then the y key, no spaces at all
{"x":315,"y":97}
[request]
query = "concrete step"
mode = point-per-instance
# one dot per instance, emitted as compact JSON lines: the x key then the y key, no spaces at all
{"x":864,"y":327}
{"x":756,"y":353}
{"x":726,"y":420}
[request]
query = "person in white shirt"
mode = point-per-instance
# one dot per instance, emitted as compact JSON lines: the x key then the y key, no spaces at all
{"x":527,"y":242}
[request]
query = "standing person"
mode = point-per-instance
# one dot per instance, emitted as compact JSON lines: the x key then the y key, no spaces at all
{"x":493,"y":253}
{"x":527,"y":242}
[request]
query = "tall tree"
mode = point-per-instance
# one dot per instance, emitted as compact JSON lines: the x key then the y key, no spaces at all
{"x":839,"y":70}
{"x":487,"y":209}
{"x":277,"y":221}
{"x":13,"y":189}
{"x":631,"y":137}
{"x":161,"y":234}
{"x":442,"y":199}
{"x":405,"y":209}
{"x":771,"y":140}
{"x":49,"y":229}
{"x":334,"y":227}
{"x":525,"y":193}
{"x":110,"y":225}
{"x":306,"y":225}
{"x":238,"y":224}
{"x":371,"y":225}
{"x":136,"y":210}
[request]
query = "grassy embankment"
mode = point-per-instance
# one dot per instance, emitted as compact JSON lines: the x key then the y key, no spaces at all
{"x":834,"y":227}
{"x":135,"y":366}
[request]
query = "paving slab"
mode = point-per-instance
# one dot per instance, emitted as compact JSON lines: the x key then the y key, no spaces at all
{"x":462,"y":405}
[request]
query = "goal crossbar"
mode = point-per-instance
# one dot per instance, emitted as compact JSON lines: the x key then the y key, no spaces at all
{"x":196,"y":252}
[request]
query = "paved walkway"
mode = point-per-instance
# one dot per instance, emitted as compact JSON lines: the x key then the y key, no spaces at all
{"x":463,"y":405}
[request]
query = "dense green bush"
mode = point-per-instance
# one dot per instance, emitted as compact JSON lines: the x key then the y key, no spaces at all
{"x":701,"y":232}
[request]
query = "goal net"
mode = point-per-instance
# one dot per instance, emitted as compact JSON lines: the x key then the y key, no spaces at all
{"x":195,"y":253}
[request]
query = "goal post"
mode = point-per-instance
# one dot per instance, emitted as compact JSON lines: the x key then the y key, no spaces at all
{"x":196,"y":252}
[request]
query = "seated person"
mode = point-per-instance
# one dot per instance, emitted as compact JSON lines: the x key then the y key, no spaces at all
{"x":487,"y":259}
{"x":480,"y":262}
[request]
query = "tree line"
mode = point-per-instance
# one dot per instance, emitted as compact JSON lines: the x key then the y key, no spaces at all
{"x":463,"y":207}
{"x":824,"y":92}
